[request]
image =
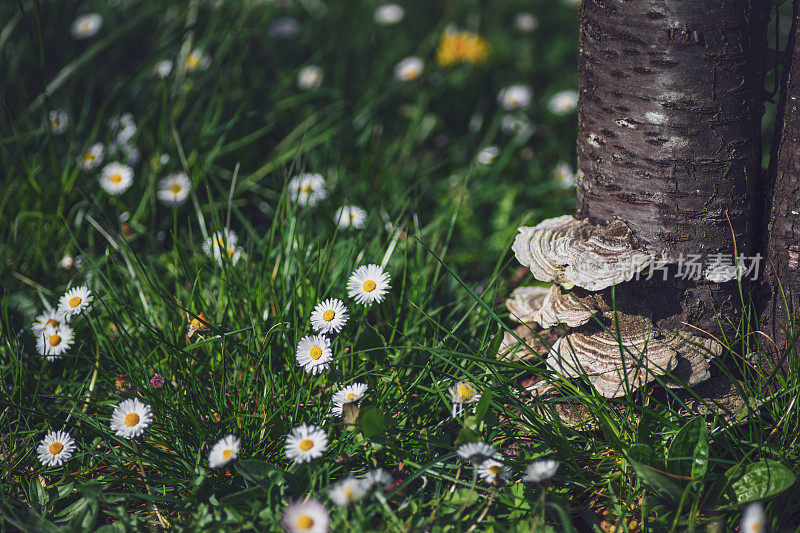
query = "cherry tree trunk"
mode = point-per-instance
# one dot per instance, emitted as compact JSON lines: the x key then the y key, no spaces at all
{"x":670,"y":112}
{"x":783,"y":202}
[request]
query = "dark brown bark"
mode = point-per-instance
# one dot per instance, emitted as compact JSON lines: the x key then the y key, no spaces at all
{"x":669,"y":135}
{"x":783,"y":202}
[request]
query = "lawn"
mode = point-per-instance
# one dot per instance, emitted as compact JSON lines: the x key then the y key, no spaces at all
{"x":290,"y":222}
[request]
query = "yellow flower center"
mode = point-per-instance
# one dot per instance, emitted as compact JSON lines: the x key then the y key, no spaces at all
{"x":368,"y":286}
{"x":55,"y":448}
{"x":175,"y":189}
{"x":54,"y":340}
{"x":351,"y":396}
{"x":131,"y":419}
{"x":86,"y":26}
{"x":305,"y":522}
{"x":315,"y":352}
{"x":196,"y":324}
{"x":328,"y":315}
{"x":88,"y":157}
{"x":306,"y":444}
{"x":115,"y":178}
{"x":192,"y":61}
{"x":226,"y":454}
{"x":495,"y":469}
{"x":52,"y":322}
{"x":75,"y":301}
{"x":348,"y":492}
{"x":230,"y":250}
{"x":307,"y":188}
{"x":466,"y":392}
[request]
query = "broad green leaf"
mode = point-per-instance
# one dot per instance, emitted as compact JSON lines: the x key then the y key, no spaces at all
{"x":483,"y":404}
{"x":756,"y":481}
{"x":372,"y":422}
{"x":660,"y":483}
{"x":466,"y":435}
{"x":494,"y":346}
{"x":688,"y":453}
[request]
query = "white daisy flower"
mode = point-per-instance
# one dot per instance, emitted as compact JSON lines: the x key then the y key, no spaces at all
{"x":51,"y":318}
{"x":93,"y":156}
{"x":517,"y":125}
{"x":224,"y":451}
{"x":130,"y":418}
{"x":753,"y":518}
{"x":123,"y":127}
{"x":368,"y":284}
{"x":389,"y":14}
{"x":307,"y":188}
{"x":174,"y":189}
{"x":329,"y":316}
{"x":283,"y":28}
{"x":309,"y":77}
{"x":56,"y":448}
{"x":515,"y":97}
{"x":488,"y":155}
{"x":305,"y":443}
{"x":308,"y":516}
{"x":350,"y":216}
{"x":539,"y":471}
{"x":409,"y":69}
{"x":58,"y":120}
{"x":350,"y":394}
{"x":461,"y":393}
{"x":379,"y":477}
{"x":87,"y":26}
{"x":493,"y":472}
{"x":564,"y":175}
{"x":563,"y":102}
{"x":66,"y":262}
{"x":314,"y":353}
{"x":348,"y":490}
{"x":197,"y":60}
{"x":221,"y":244}
{"x":116,"y":178}
{"x":54,"y":342}
{"x":476,"y":451}
{"x":75,"y":301}
{"x":525,"y":22}
{"x":163,"y":68}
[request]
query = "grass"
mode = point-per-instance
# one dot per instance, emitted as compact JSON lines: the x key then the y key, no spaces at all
{"x":441,"y":223}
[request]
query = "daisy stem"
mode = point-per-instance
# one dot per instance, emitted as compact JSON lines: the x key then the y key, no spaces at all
{"x":93,"y":381}
{"x":540,"y":514}
{"x":163,"y":521}
{"x":480,"y":518}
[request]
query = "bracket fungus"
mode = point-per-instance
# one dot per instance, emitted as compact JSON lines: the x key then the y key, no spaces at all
{"x":525,"y":302}
{"x":565,"y":307}
{"x":574,"y":252}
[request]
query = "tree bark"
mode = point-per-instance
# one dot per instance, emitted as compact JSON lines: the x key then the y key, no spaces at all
{"x":670,"y":109}
{"x":783,"y":203}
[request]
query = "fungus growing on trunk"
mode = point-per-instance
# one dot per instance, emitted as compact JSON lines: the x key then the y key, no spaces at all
{"x":565,"y":307}
{"x":525,"y":302}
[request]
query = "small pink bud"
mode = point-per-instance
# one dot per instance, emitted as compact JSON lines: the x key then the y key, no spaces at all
{"x":157,"y":380}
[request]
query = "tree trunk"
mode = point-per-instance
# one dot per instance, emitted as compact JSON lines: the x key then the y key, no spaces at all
{"x":669,"y":133}
{"x":783,"y":204}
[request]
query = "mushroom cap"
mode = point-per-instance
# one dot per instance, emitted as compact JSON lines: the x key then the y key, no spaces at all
{"x":525,"y":302}
{"x":574,"y":252}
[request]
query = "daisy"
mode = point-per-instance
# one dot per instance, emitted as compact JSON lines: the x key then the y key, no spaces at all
{"x":54,"y":342}
{"x":476,"y":451}
{"x":409,"y":69}
{"x":515,"y":97}
{"x":116,"y":178}
{"x":517,"y":125}
{"x":350,"y":216}
{"x":563,"y":102}
{"x":224,"y":451}
{"x":564,"y":175}
{"x":329,"y":316}
{"x":389,"y":14}
{"x":368,"y":284}
{"x":305,"y":443}
{"x":380,"y":477}
{"x":347,"y":491}
{"x":130,"y":418}
{"x":75,"y":301}
{"x":221,"y":244}
{"x":283,"y":28}
{"x":493,"y":472}
{"x":123,"y":127}
{"x":525,"y":22}
{"x":93,"y":156}
{"x":58,"y":121}
{"x":174,"y":189}
{"x":461,"y":393}
{"x":163,"y":68}
{"x":308,"y":516}
{"x":86,"y":26}
{"x":51,"y":318}
{"x":310,"y":77}
{"x":539,"y":471}
{"x":66,"y":262}
{"x":488,"y":155}
{"x":197,"y":60}
{"x":752,"y":518}
{"x":350,"y":394}
{"x":307,"y":188}
{"x":56,"y":448}
{"x":314,"y":353}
